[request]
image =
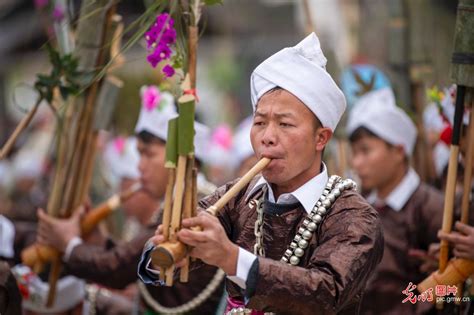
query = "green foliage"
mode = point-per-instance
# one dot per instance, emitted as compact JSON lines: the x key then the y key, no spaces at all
{"x":64,"y":75}
{"x":213,"y":2}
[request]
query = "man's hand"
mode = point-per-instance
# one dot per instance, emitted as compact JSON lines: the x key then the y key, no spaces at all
{"x":429,"y":258}
{"x":462,"y":240}
{"x":58,"y":232}
{"x":211,"y":245}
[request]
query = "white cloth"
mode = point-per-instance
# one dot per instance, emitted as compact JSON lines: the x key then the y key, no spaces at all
{"x":155,"y":119}
{"x":308,"y":194}
{"x":70,"y":291}
{"x":122,"y":158}
{"x":242,"y":147}
{"x":73,"y":243}
{"x":398,"y":197}
{"x":7,"y":237}
{"x":441,"y":157}
{"x":382,"y":117}
{"x":301,"y":70}
{"x":201,"y":141}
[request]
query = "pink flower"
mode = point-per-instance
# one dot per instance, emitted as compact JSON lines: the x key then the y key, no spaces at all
{"x":119,"y":144}
{"x":58,"y":13}
{"x":41,"y":3}
{"x":222,"y":136}
{"x":151,"y":97}
{"x":168,"y":71}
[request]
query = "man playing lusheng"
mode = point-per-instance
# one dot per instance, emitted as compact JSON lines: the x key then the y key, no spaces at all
{"x":335,"y":237}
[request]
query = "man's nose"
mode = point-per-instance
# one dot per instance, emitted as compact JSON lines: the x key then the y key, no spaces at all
{"x":269,"y":135}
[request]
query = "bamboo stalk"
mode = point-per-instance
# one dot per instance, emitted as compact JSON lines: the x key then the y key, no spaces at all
{"x":451,"y":180}
{"x":178,"y":199}
{"x":192,"y":57}
{"x":309,"y":26}
{"x":187,"y":209}
{"x":168,"y":203}
{"x":18,"y":130}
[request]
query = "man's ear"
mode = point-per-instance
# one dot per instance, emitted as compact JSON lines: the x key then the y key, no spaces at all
{"x":400,"y":152}
{"x":323,"y":135}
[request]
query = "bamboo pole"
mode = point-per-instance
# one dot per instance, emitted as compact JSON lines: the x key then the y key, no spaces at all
{"x":18,"y":130}
{"x":451,"y":180}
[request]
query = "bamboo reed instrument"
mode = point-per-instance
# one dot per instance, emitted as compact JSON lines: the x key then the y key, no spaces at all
{"x":167,"y":254}
{"x":37,"y":254}
{"x":457,"y":271}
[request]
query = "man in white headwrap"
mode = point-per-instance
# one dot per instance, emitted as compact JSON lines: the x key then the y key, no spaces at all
{"x":294,"y":241}
{"x":116,"y":265}
{"x":382,"y":139}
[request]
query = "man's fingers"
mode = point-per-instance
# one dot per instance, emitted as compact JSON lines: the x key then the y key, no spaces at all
{"x":42,"y":216}
{"x":203,"y":219}
{"x":452,"y":237}
{"x":79,"y":212}
{"x":461,"y":254}
{"x":464,"y":228}
{"x":158,"y":239}
{"x":192,"y":238}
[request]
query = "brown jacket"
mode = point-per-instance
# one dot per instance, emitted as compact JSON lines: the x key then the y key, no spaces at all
{"x":415,"y":226}
{"x":335,"y":268}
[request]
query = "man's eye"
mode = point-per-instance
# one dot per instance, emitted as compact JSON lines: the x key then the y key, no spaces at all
{"x":286,"y":125}
{"x":258,"y":123}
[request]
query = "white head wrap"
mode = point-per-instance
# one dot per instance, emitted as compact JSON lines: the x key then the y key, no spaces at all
{"x":301,"y":70}
{"x":157,"y":109}
{"x":242,"y":147}
{"x":384,"y":119}
{"x":7,"y":236}
{"x":122,"y":157}
{"x":201,"y":141}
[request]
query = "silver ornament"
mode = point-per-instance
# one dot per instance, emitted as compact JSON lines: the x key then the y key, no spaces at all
{"x":327,"y":203}
{"x":307,"y":235}
{"x":299,"y":252}
{"x":312,"y":227}
{"x":317,"y":218}
{"x":294,"y":260}
{"x":303,"y":244}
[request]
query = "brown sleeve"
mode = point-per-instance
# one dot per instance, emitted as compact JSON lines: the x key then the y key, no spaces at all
{"x":115,"y":267}
{"x":350,"y":246}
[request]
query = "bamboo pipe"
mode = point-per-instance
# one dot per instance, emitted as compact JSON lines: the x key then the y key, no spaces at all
{"x":451,"y":180}
{"x":457,"y":271}
{"x":37,"y":253}
{"x":21,"y":126}
{"x":467,"y":185}
{"x":167,"y":254}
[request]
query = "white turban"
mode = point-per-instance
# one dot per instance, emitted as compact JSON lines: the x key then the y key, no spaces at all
{"x":301,"y":70}
{"x":157,"y":109}
{"x":242,"y":147}
{"x":201,"y":141}
{"x":7,"y":236}
{"x":154,"y":115}
{"x":376,"y":112}
{"x":122,"y":156}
